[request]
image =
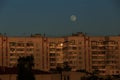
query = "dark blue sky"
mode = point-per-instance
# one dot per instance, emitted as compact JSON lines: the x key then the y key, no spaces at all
{"x":95,"y":17}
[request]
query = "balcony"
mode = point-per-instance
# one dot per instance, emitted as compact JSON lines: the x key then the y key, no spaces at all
{"x":12,"y":51}
{"x":14,"y":57}
{"x":52,"y":47}
{"x":52,"y":51}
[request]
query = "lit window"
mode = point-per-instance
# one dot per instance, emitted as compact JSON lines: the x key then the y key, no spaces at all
{"x":61,"y":44}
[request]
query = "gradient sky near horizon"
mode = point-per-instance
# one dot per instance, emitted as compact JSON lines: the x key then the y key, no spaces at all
{"x":52,"y":17}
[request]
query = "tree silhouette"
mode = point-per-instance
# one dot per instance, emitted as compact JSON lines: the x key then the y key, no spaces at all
{"x":66,"y":67}
{"x":24,"y":67}
{"x":59,"y":68}
{"x":90,"y":75}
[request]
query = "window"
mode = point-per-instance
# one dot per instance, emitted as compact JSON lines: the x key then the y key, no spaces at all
{"x":80,"y":57}
{"x":60,"y":44}
{"x":12,"y":59}
{"x":80,"y":42}
{"x":12,"y":43}
{"x":58,"y":54}
{"x":79,"y":48}
{"x":94,"y":47}
{"x":94,"y":52}
{"x":20,"y":49}
{"x":66,"y":77}
{"x":116,"y":47}
{"x":117,"y":71}
{"x":52,"y":54}
{"x":93,"y":42}
{"x":29,"y":44}
{"x":12,"y":49}
{"x":52,"y":59}
{"x":80,"y":53}
{"x":74,"y":48}
{"x":94,"y":67}
{"x":29,"y":49}
{"x":72,"y":42}
{"x":51,"y":44}
{"x":80,"y":62}
{"x":58,"y":49}
{"x":20,"y":44}
{"x":52,"y":64}
{"x":52,"y":49}
{"x":37,"y":50}
{"x":11,"y":54}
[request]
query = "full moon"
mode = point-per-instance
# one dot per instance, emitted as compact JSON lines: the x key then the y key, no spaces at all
{"x":73,"y":18}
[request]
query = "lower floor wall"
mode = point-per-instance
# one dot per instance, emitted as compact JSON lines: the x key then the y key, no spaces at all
{"x":37,"y":77}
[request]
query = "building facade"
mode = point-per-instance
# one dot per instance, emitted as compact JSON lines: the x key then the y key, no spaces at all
{"x":79,"y":50}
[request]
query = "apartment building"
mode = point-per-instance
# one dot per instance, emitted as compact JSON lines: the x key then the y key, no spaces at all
{"x":76,"y":51}
{"x":55,"y":51}
{"x":105,"y":54}
{"x":12,"y":48}
{"x":79,"y":50}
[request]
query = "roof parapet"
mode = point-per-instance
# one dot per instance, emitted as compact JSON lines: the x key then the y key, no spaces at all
{"x":78,"y":34}
{"x":36,"y":35}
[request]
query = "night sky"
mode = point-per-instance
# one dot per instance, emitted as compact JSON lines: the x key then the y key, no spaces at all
{"x":94,"y":17}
